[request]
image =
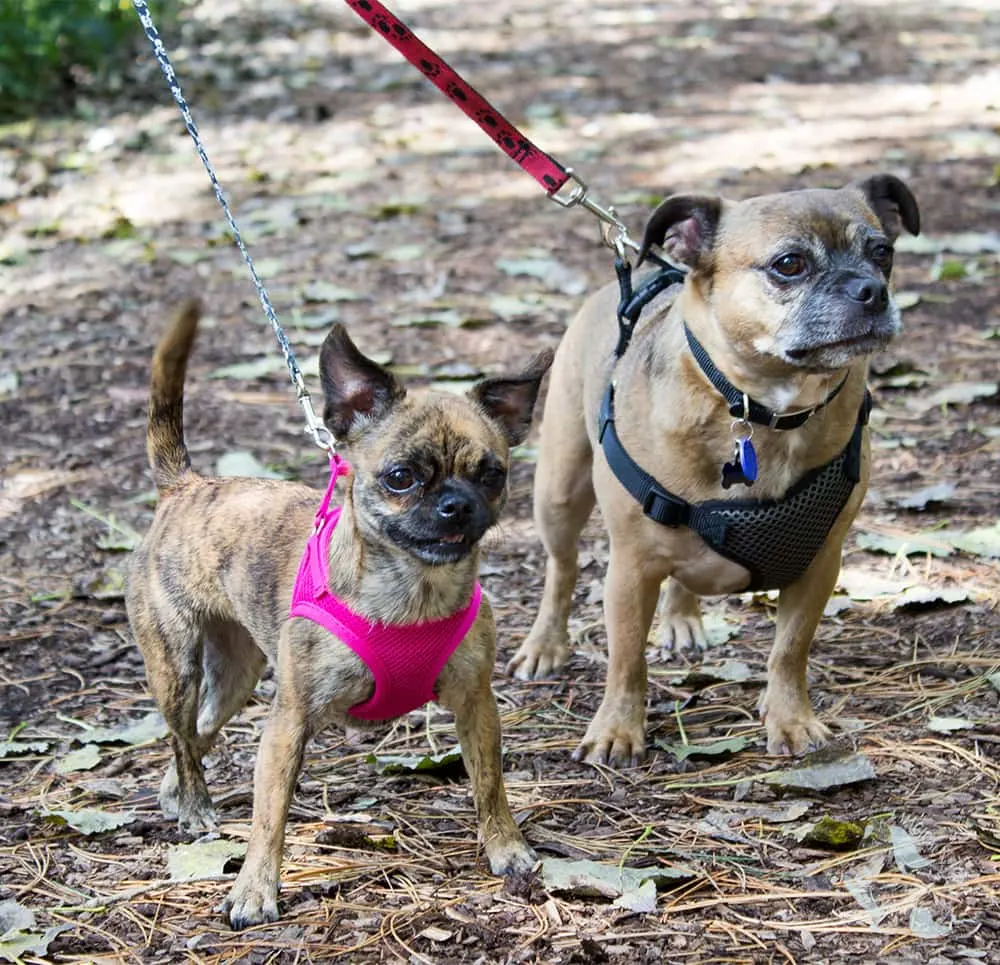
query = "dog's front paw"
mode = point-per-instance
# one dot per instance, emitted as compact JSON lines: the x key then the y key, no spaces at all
{"x":539,"y":655}
{"x":197,"y":817}
{"x":250,"y":903}
{"x":512,"y":857}
{"x":792,"y":732}
{"x":613,"y":739}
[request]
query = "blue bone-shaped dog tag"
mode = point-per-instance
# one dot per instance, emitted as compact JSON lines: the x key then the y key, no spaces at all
{"x":743,"y":468}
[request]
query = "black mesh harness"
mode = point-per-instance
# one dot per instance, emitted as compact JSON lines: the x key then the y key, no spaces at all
{"x":774,"y":539}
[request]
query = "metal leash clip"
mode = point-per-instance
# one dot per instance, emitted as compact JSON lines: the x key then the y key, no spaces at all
{"x":613,"y":230}
{"x":322,"y":436}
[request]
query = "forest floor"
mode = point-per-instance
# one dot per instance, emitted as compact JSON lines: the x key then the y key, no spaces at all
{"x":367,"y":198}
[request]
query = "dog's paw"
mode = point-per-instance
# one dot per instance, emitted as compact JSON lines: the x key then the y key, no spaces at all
{"x":512,"y":857}
{"x":679,"y":632}
{"x":615,"y":741}
{"x":793,"y":734}
{"x":250,"y":904}
{"x":538,"y":656}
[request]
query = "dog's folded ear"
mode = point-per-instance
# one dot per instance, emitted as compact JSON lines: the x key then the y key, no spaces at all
{"x":354,"y":386}
{"x":684,"y":226}
{"x":893,"y":202}
{"x":510,"y":401}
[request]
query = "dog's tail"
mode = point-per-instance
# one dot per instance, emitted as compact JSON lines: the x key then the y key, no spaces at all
{"x":168,"y":455}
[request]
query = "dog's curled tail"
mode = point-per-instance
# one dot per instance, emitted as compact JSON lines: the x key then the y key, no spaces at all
{"x":168,"y":455}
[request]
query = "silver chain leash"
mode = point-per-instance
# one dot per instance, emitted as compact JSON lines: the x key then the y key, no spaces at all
{"x":314,"y":425}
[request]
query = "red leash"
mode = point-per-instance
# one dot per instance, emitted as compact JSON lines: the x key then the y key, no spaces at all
{"x":547,"y":171}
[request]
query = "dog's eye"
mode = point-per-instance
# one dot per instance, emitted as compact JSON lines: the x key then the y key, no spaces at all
{"x":881,"y":255}
{"x":789,"y":266}
{"x":400,"y":479}
{"x":493,"y":478}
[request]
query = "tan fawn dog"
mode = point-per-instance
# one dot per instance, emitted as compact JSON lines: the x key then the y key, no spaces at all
{"x":769,"y":338}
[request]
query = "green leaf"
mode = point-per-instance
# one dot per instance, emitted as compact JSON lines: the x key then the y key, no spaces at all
{"x":90,"y":820}
{"x":84,"y":759}
{"x":9,"y":749}
{"x":109,"y":585}
{"x":14,"y":945}
{"x":325,"y":293}
{"x":929,"y":496}
{"x":412,"y":764}
{"x":949,"y":270}
{"x":727,"y":671}
{"x":15,"y":917}
{"x":152,"y":727}
{"x":9,"y":382}
{"x":189,"y":256}
{"x":822,"y":771}
{"x":244,"y":464}
{"x":904,"y":850}
{"x":202,"y":859}
{"x":255,"y":369}
{"x":730,"y":745}
{"x":980,"y":542}
{"x":948,"y":725}
{"x":553,"y":274}
{"x":591,"y":879}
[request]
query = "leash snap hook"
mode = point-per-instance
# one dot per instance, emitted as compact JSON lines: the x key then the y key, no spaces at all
{"x":322,"y":436}
{"x":613,"y":231}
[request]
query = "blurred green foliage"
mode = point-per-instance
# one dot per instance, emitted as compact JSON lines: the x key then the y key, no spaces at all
{"x":51,"y":49}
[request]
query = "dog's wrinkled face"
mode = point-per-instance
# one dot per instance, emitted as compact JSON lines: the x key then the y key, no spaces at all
{"x":800,"y":278}
{"x":430,"y":470}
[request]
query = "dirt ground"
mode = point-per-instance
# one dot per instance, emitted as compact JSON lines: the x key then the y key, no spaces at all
{"x":367,"y":197}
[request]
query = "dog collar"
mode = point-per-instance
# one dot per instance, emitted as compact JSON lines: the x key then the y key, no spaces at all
{"x":741,"y":406}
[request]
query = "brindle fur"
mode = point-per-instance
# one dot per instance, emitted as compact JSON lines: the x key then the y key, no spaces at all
{"x":781,"y":343}
{"x":210,"y":588}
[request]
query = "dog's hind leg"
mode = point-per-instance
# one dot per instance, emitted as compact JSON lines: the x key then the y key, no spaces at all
{"x":564,"y":498}
{"x":231,"y":665}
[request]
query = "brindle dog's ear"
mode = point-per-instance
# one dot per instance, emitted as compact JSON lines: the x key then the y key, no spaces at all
{"x":893,"y":202}
{"x":353,"y":386}
{"x":684,"y":226}
{"x":511,"y":401}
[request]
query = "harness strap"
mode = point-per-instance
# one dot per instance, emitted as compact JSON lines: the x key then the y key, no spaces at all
{"x":631,"y":304}
{"x":741,"y":406}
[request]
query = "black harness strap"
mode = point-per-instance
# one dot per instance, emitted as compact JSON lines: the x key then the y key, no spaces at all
{"x":774,"y":539}
{"x":631,"y":303}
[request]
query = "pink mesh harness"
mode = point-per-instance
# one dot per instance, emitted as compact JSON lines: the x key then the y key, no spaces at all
{"x":405,"y":659}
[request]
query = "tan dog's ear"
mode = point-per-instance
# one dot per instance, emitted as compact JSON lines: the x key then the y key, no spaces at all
{"x":511,"y":401}
{"x":684,"y":226}
{"x":893,"y":202}
{"x":353,"y":386}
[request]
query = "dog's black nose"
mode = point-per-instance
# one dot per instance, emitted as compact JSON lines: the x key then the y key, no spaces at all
{"x":455,"y":507}
{"x":870,"y":292}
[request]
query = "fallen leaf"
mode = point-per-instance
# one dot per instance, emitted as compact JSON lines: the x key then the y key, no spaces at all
{"x":90,"y":820}
{"x":980,"y":542}
{"x":149,"y":728}
{"x":860,"y":891}
{"x":823,"y":771}
{"x":15,"y":917}
{"x":718,"y":627}
{"x":412,"y":764}
{"x":435,"y":934}
{"x":325,"y":292}
{"x":83,"y":759}
{"x":958,"y":243}
{"x":929,"y":496}
{"x":553,"y":274}
{"x":641,"y":900}
{"x":948,"y":725}
{"x":202,"y":859}
{"x":9,"y":749}
{"x":244,"y":464}
{"x":959,"y":393}
{"x":923,"y":925}
{"x":906,"y":300}
{"x":717,"y":748}
{"x":916,"y":544}
{"x":728,"y":671}
{"x":9,"y":382}
{"x":904,"y":850}
{"x":256,"y":369}
{"x":511,"y":307}
{"x":926,"y":597}
{"x":593,"y":879}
